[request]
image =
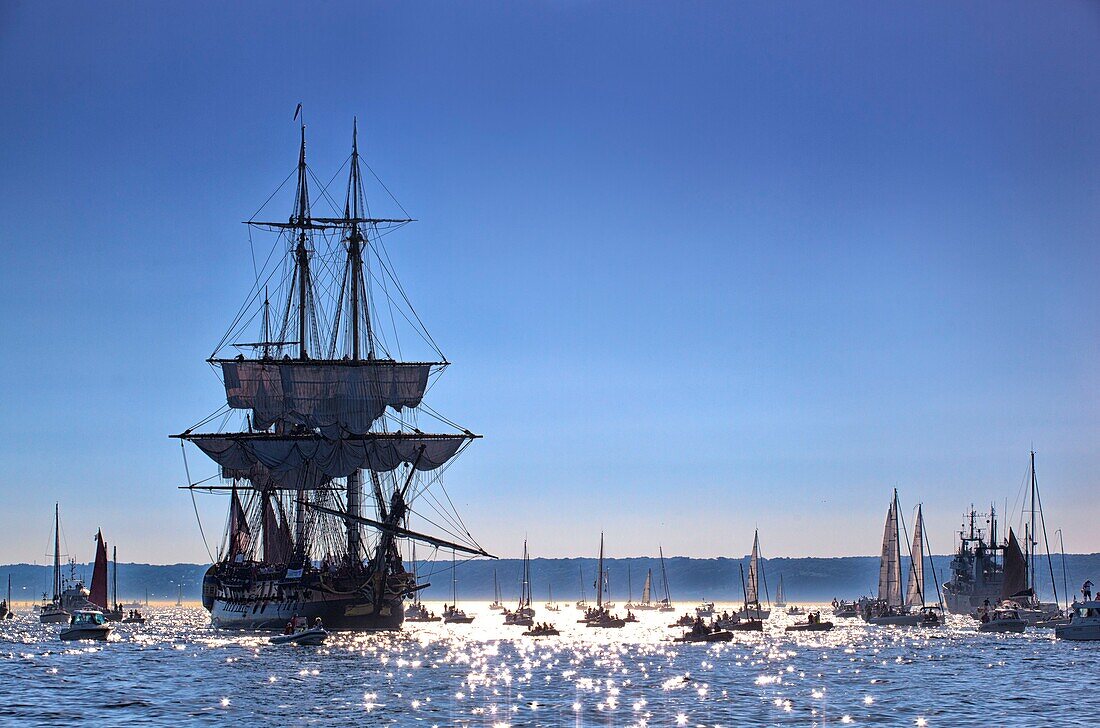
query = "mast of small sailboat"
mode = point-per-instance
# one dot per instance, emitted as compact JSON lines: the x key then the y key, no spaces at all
{"x":114,"y":576}
{"x":664,"y":576}
{"x":56,"y":553}
{"x":599,"y":576}
{"x":454,"y":580}
{"x":524,"y":592}
{"x":744,"y":591}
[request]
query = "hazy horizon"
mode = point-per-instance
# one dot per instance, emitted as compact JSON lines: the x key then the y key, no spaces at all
{"x":699,"y":268}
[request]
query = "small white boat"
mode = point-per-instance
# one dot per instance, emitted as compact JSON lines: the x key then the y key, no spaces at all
{"x":456,"y":616}
{"x":706,"y":609}
{"x":795,"y":611}
{"x":1003,"y":620}
{"x":754,"y":611}
{"x":1084,"y":622}
{"x":845,"y":609}
{"x":312,"y":636}
{"x":86,"y":624}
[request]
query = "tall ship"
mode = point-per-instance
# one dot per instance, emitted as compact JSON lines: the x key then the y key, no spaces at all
{"x":977,"y":569}
{"x":320,"y":445}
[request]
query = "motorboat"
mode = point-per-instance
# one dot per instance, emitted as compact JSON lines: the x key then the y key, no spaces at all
{"x":542,"y":631}
{"x":813,"y":623}
{"x":795,"y":610}
{"x":747,"y":625}
{"x":417,"y":612}
{"x":706,"y":609}
{"x":134,"y":617}
{"x":705,"y":635}
{"x":845,"y":610}
{"x":454,"y":615}
{"x":1002,"y":620}
{"x":810,"y":627}
{"x":86,"y":624}
{"x":607,"y":621}
{"x":518,"y":618}
{"x":1084,"y":622}
{"x":684,"y":621}
{"x":308,"y":636}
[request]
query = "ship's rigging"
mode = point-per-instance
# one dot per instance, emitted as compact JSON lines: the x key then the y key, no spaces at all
{"x":328,"y":412}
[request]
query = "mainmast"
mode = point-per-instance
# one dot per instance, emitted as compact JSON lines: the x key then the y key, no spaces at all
{"x":301,"y":221}
{"x":599,"y":576}
{"x":56,"y":552}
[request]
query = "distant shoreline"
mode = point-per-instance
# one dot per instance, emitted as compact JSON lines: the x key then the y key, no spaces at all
{"x":690,"y":579}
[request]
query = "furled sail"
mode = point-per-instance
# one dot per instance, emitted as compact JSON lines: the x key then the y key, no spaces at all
{"x":647,"y":586}
{"x":889,"y":572}
{"x":307,"y":462}
{"x":752,"y":594}
{"x":98,"y":595}
{"x":332,"y":396}
{"x":1015,"y":568}
{"x":915,"y":592}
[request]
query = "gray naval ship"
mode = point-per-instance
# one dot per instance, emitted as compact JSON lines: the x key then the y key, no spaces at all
{"x":977,"y":570}
{"x":327,"y":422}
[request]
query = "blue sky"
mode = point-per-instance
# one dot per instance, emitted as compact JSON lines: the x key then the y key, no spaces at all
{"x":700,"y":267}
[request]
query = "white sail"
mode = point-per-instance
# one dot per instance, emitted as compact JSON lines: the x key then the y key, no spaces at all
{"x":779,"y":598}
{"x":915,"y":592}
{"x":332,"y":396}
{"x":647,"y":587}
{"x":889,"y":573}
{"x":752,"y":593}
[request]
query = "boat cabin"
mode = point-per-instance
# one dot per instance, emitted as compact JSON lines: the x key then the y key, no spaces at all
{"x":1086,"y":610}
{"x":87,"y":618}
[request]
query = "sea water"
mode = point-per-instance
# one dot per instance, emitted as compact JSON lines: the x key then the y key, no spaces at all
{"x":177,"y":669}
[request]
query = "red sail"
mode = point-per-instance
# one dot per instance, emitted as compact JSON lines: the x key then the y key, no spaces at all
{"x":277,"y":545}
{"x":240,"y":536}
{"x":99,"y":573}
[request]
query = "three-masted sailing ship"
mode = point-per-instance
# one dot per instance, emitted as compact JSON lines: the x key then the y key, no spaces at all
{"x":329,"y":423}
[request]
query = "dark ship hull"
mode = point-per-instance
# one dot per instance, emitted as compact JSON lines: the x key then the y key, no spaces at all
{"x":243,"y":597}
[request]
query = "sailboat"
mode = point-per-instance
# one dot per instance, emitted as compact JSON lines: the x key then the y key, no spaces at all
{"x":664,"y":604}
{"x":417,"y":612}
{"x":1026,"y":601}
{"x":752,"y":608}
{"x":889,"y":609}
{"x":551,"y":605}
{"x":582,"y":603}
{"x":5,"y":608}
{"x":68,"y":596}
{"x":600,"y":616}
{"x":646,"y":604}
{"x":524,"y":614}
{"x":780,"y":599}
{"x":497,"y":603}
{"x":451,"y":613}
{"x":329,"y":423}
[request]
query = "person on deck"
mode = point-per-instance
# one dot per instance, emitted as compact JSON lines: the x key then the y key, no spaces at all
{"x":1086,"y":589}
